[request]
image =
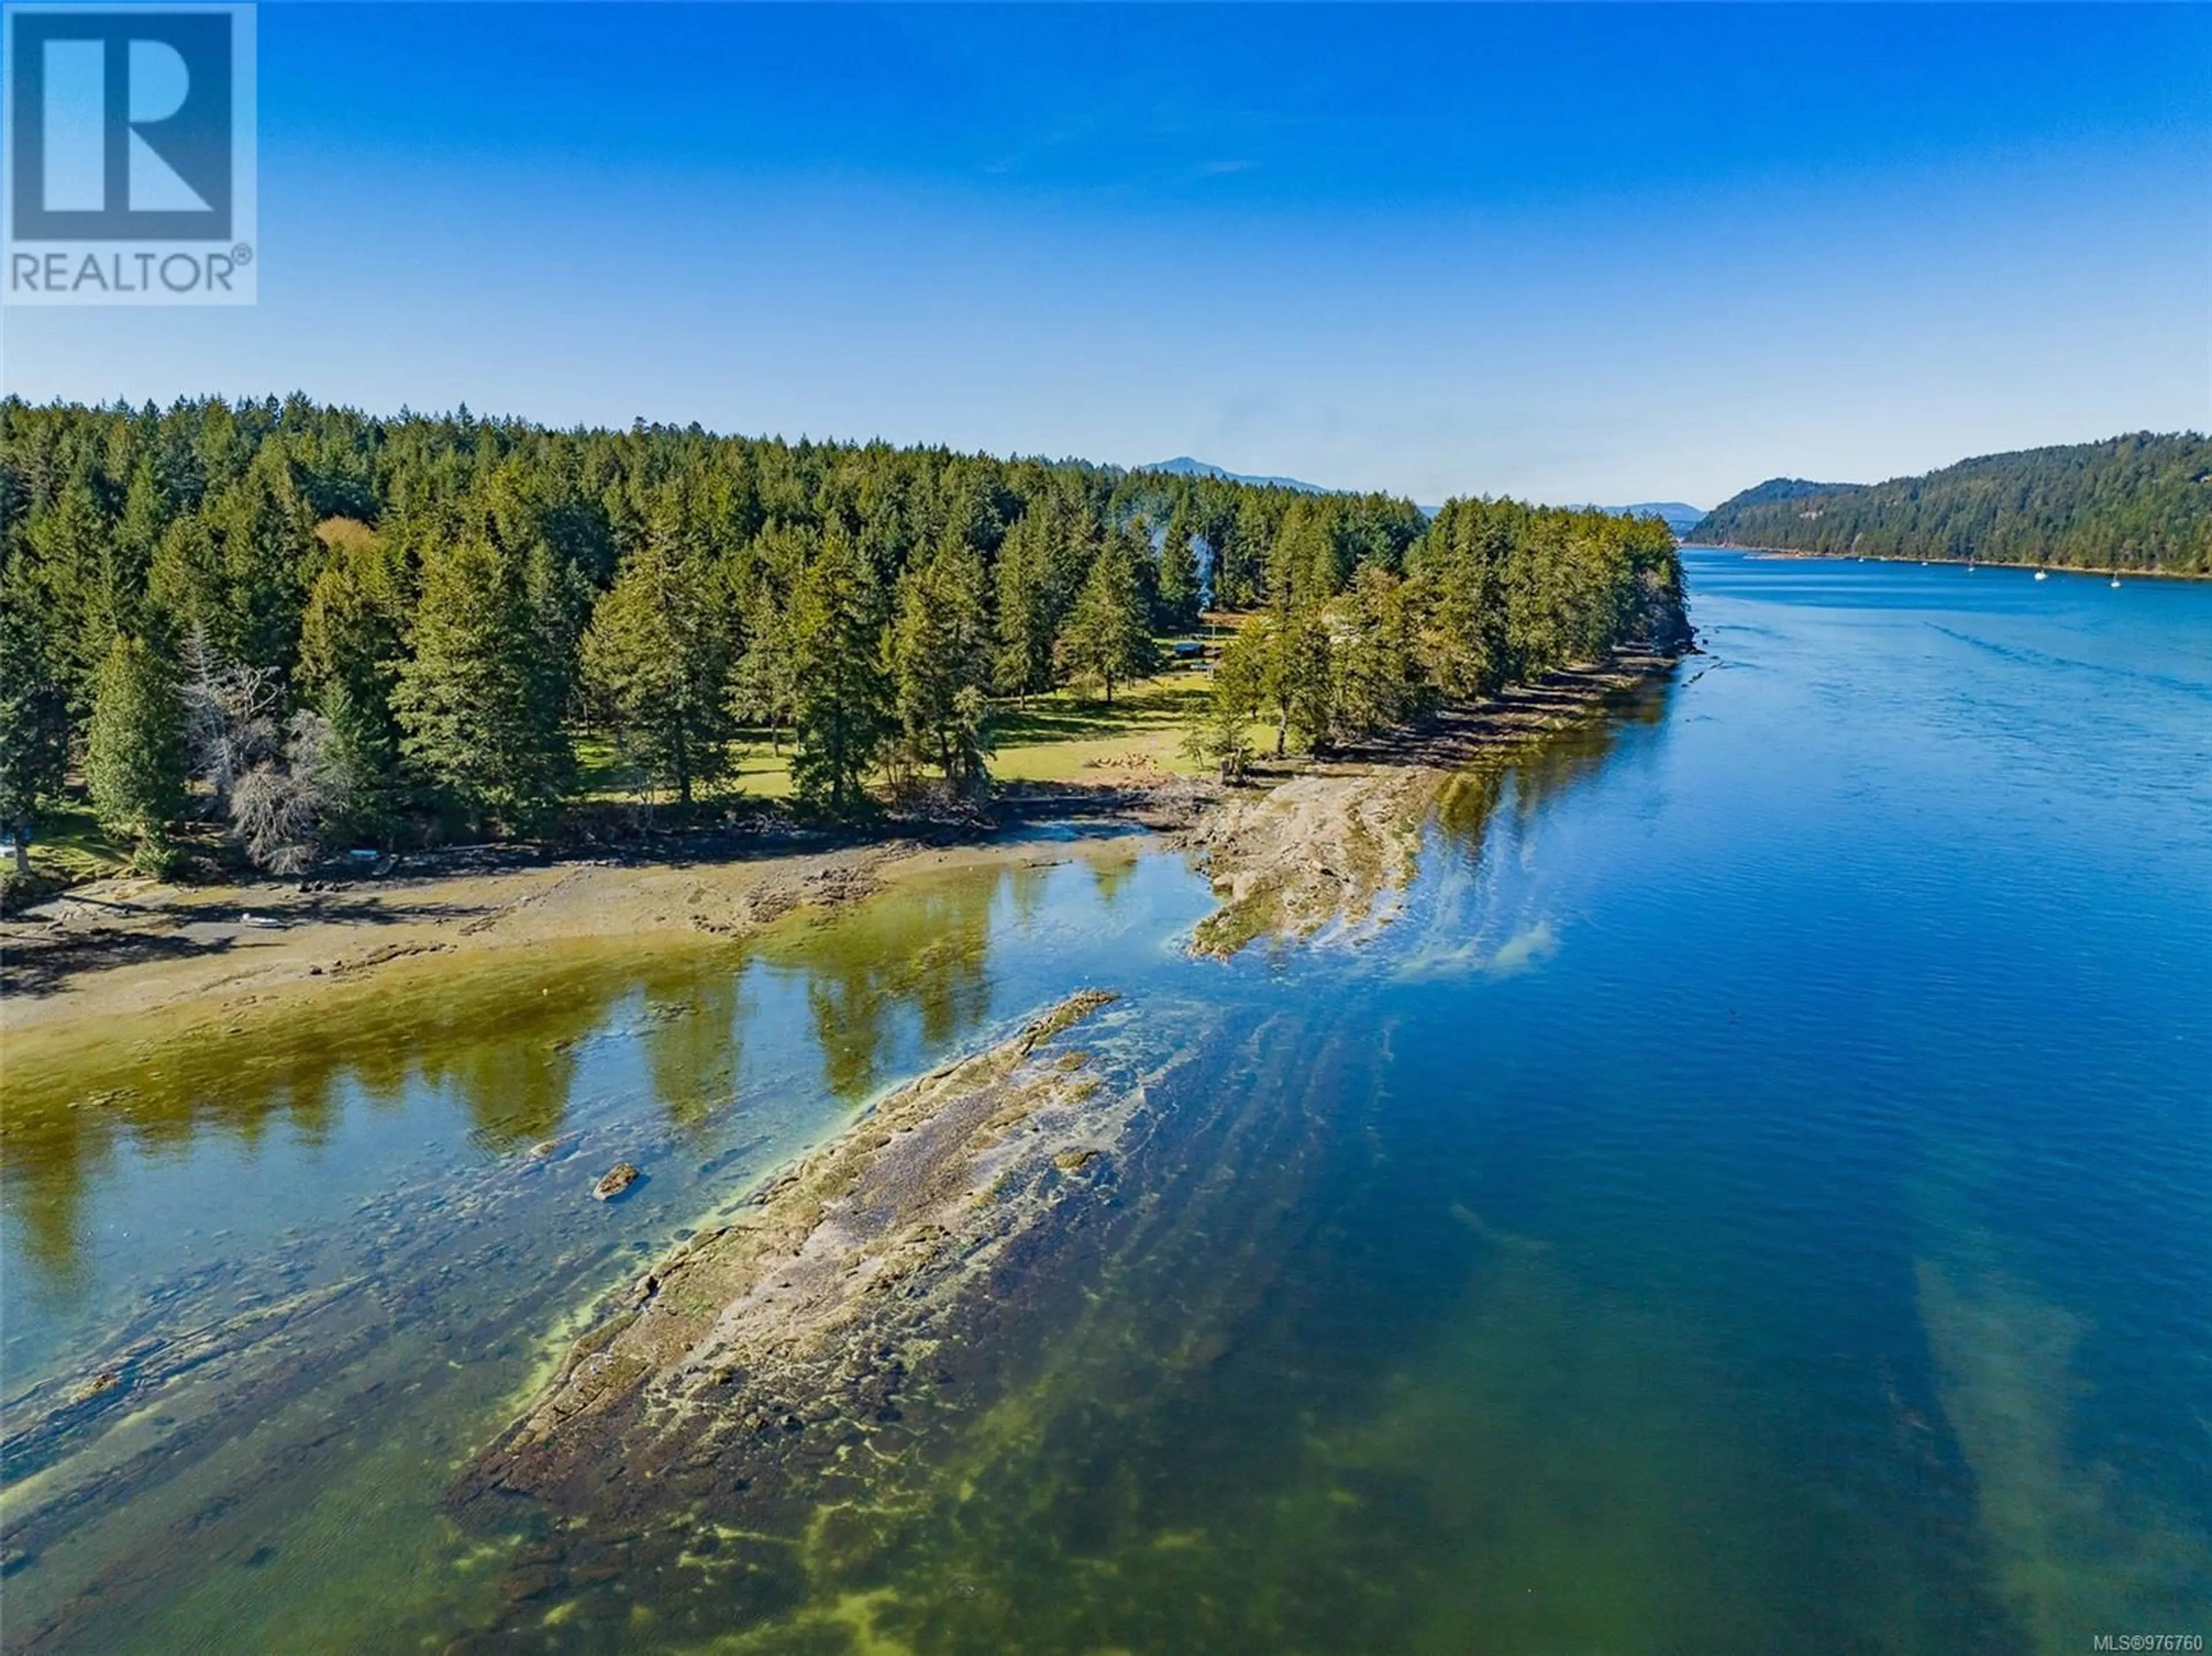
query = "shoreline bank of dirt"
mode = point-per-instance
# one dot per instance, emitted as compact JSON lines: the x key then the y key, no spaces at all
{"x":126,"y":947}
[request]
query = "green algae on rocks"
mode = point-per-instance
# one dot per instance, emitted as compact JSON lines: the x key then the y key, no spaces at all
{"x":796,"y":1326}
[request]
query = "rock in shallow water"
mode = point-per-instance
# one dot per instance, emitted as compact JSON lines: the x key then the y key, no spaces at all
{"x":617,"y":1179}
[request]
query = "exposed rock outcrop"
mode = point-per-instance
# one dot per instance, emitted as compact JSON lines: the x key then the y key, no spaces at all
{"x":759,"y":1350}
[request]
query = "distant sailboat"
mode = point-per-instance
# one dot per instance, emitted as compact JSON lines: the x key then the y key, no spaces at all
{"x":2043,"y":574}
{"x":2116,"y":581}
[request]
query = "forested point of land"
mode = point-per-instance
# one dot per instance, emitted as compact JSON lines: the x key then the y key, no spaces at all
{"x":2142,"y":502}
{"x":304,"y":627}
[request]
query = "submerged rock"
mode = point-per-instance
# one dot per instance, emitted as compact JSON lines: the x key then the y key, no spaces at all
{"x":617,"y":1179}
{"x":106,"y":1380}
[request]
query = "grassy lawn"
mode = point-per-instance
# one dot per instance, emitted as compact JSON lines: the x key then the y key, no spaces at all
{"x":70,"y":846}
{"x":762,"y":773}
{"x":1064,"y":735}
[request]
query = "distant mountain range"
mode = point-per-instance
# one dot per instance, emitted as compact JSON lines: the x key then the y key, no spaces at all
{"x":2141,"y":501}
{"x":1679,"y":517}
{"x":1183,"y":466}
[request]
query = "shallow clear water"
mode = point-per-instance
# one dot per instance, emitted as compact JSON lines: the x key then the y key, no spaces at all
{"x":1757,"y":1197}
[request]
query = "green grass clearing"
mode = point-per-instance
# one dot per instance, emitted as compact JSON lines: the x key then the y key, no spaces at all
{"x":70,"y":847}
{"x":1064,"y":735}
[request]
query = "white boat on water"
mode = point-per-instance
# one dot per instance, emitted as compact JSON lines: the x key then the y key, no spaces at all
{"x":2043,"y":574}
{"x":2116,"y":581}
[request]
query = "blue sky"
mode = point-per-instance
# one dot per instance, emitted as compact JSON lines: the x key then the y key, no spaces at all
{"x":1607,"y":252}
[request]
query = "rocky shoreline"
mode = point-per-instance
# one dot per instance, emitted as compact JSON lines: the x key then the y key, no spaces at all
{"x":809,"y":1317}
{"x":780,"y":1368}
{"x":1332,"y":846}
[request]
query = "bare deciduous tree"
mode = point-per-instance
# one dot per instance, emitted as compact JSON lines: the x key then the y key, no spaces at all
{"x":230,"y":717}
{"x":278,"y":806}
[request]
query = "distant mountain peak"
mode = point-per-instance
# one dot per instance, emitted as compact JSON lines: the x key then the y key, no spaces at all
{"x":1678,"y":515}
{"x":1184,"y":466}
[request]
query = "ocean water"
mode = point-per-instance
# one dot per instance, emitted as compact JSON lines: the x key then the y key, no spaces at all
{"x":1756,"y":1196}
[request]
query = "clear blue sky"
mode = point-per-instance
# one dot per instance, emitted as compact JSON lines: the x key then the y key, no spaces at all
{"x":1608,"y":253}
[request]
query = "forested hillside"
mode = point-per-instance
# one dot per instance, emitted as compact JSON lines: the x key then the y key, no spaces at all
{"x":2143,"y":502}
{"x":313,"y":627}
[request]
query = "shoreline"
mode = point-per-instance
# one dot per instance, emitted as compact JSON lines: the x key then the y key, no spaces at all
{"x":872,"y":1291}
{"x":1310,"y":840}
{"x":874,"y":1288}
{"x":144,"y":949}
{"x":1329,"y":847}
{"x":1796,"y":554}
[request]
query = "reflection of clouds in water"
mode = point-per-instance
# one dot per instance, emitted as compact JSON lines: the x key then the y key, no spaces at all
{"x":1523,"y":951}
{"x":1487,"y":916}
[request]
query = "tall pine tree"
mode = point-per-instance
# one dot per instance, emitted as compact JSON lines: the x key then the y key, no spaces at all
{"x":481,"y":715}
{"x":656,"y":662}
{"x":843,"y":699}
{"x":34,"y":725}
{"x":134,"y":754}
{"x":1179,"y":581}
{"x":941,"y":665}
{"x":1108,"y":639}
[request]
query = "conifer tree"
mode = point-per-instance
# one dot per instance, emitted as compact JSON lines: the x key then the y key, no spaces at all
{"x":1179,"y":581}
{"x":1297,"y":683}
{"x":656,"y":662}
{"x":350,"y":651}
{"x":764,"y":574}
{"x":481,"y":715}
{"x":941,"y":663}
{"x":134,"y":757}
{"x":1373,"y":655}
{"x":184,"y":584}
{"x":1462,"y":644}
{"x":843,"y":703}
{"x":1242,"y":553}
{"x":360,"y":749}
{"x":560,"y":599}
{"x":137,"y":535}
{"x":34,"y":725}
{"x":269,"y":554}
{"x":1042,"y":564}
{"x":69,"y":565}
{"x":1027,"y":617}
{"x":1223,"y":738}
{"x":1108,"y":639}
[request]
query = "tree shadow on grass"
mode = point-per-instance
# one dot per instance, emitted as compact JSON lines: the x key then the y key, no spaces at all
{"x":1153,"y":704}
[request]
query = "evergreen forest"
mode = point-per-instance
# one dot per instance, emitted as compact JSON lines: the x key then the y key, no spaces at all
{"x":301,"y":627}
{"x":2142,"y":502}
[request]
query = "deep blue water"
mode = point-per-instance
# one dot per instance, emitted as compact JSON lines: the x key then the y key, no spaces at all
{"x":1756,"y":1196}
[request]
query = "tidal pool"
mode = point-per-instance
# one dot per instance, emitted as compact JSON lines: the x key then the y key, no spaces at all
{"x":1756,"y":1196}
